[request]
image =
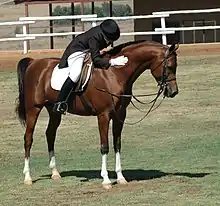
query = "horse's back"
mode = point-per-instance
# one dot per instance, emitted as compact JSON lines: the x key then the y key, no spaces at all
{"x":42,"y":62}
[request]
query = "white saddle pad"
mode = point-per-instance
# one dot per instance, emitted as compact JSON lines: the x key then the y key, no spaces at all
{"x":59,"y":76}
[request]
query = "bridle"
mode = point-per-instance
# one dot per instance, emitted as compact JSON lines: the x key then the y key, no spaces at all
{"x":162,"y":84}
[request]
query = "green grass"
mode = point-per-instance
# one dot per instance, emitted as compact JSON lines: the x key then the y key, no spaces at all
{"x":170,"y":158}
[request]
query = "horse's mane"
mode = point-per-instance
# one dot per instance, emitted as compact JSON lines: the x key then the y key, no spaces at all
{"x":115,"y":50}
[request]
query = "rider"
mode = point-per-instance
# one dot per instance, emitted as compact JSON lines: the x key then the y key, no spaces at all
{"x":94,"y":40}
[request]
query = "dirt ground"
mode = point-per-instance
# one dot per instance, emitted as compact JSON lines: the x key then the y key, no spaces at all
{"x":9,"y":59}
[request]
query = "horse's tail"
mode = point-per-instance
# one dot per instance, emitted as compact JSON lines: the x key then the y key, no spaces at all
{"x":20,"y":107}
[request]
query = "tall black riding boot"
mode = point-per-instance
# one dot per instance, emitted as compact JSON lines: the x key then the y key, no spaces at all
{"x":61,"y":104}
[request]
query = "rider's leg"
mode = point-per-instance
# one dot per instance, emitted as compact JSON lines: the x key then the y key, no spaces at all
{"x":75,"y":61}
{"x":61,"y":106}
{"x":76,"y":64}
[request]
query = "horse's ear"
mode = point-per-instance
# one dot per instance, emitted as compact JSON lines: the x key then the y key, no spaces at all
{"x":174,"y":47}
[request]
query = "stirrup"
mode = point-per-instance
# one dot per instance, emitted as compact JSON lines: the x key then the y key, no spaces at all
{"x":61,"y":107}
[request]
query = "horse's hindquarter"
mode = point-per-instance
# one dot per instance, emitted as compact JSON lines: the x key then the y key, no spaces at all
{"x":38,"y":80}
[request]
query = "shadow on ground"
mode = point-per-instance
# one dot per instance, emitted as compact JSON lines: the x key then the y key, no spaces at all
{"x":130,"y":175}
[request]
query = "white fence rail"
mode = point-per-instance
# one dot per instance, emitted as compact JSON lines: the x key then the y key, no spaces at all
{"x":24,"y":38}
{"x":192,"y":11}
{"x":191,"y":28}
{"x":126,"y":17}
{"x":93,"y":19}
{"x":25,"y":21}
{"x":161,"y":16}
{"x":17,"y":39}
{"x":163,"y":30}
{"x":94,"y":23}
{"x":46,"y":18}
{"x":12,"y":23}
{"x":72,"y":33}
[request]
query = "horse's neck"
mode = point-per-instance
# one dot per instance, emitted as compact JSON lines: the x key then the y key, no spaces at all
{"x":139,"y":63}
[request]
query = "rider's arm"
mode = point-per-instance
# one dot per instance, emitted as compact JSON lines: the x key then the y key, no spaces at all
{"x":103,"y":51}
{"x":98,"y":61}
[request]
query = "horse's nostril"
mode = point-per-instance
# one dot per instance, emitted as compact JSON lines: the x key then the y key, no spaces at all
{"x":174,"y":94}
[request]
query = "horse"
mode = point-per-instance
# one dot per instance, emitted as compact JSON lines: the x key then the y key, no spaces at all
{"x":113,"y":86}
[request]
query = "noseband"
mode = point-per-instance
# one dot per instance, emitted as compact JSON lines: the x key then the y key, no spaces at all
{"x":164,"y":78}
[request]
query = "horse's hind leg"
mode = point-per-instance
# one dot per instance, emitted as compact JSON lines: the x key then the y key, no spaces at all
{"x":117,"y":126}
{"x":31,"y":119}
{"x":53,"y":124}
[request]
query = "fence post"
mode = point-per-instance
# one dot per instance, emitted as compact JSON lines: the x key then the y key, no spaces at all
{"x":163,"y":26}
{"x":25,"y":41}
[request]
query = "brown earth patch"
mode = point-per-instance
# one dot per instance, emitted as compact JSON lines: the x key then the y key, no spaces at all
{"x":9,"y":59}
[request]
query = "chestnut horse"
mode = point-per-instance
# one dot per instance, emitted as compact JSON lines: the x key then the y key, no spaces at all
{"x":109,"y":86}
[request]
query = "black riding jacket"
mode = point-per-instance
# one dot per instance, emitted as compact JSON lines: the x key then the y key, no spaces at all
{"x":93,"y":41}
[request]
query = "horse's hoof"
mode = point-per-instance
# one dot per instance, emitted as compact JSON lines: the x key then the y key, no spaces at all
{"x":28,"y":182}
{"x":107,"y":186}
{"x":122,"y":182}
{"x":56,"y":177}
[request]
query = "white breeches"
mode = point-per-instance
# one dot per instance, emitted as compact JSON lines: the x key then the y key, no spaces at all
{"x":75,"y":62}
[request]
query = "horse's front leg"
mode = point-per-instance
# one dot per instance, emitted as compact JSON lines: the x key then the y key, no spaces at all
{"x":117,"y":126}
{"x":103,"y":122}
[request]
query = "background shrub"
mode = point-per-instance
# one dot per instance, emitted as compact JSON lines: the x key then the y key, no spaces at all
{"x":102,"y":11}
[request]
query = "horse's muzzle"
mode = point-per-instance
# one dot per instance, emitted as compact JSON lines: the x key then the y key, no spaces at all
{"x":170,"y":92}
{"x":174,"y":94}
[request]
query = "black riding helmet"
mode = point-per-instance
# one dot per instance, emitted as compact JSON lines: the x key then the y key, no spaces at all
{"x":110,"y":29}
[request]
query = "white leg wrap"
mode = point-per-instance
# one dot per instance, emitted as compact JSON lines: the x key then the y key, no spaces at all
{"x":118,"y":169}
{"x":52,"y":165}
{"x":104,"y":172}
{"x":52,"y":160}
{"x":26,"y":170}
